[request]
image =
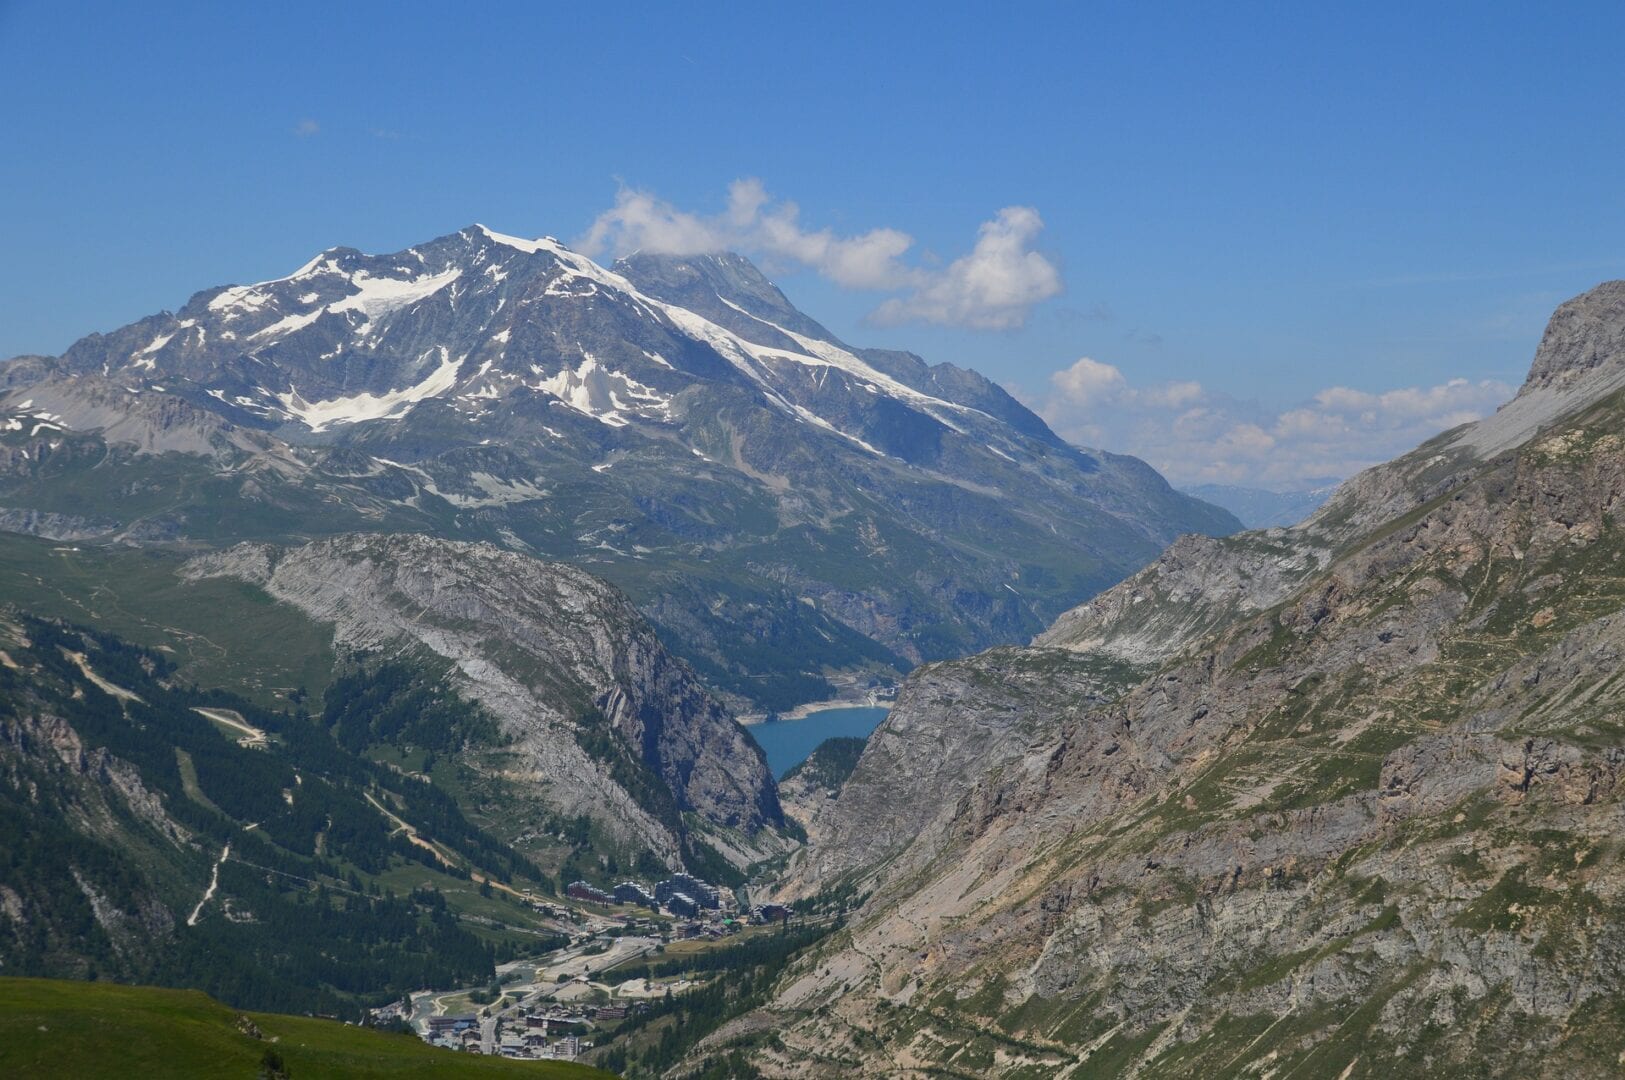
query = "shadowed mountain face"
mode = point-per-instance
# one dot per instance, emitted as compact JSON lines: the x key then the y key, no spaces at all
{"x":782,"y":506}
{"x":1338,"y":800}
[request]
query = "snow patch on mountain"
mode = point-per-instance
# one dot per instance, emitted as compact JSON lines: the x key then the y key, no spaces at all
{"x":319,"y":415}
{"x":378,"y":296}
{"x":157,"y":343}
{"x":817,"y":353}
{"x":240,"y":296}
{"x":375,"y":296}
{"x":818,"y":421}
{"x":529,"y":247}
{"x":495,"y":491}
{"x":287,"y":325}
{"x":603,"y":394}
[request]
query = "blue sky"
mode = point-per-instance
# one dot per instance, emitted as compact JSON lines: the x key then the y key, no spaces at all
{"x":1276,"y":235}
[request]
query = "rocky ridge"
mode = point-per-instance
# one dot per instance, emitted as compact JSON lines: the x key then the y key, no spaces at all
{"x":1366,"y":822}
{"x":553,"y":653}
{"x":1201,"y":584}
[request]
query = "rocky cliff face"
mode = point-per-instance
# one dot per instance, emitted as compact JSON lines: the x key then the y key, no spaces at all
{"x":1585,"y":339}
{"x":78,"y":798}
{"x":952,"y":723}
{"x":1199,"y":585}
{"x":555,"y":655}
{"x":807,"y":789}
{"x":1363,"y":823}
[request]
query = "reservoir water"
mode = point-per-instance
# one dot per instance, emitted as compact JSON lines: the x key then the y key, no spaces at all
{"x":788,"y":742}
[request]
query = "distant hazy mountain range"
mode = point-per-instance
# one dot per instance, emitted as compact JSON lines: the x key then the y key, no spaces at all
{"x":1258,"y":508}
{"x":781,"y":505}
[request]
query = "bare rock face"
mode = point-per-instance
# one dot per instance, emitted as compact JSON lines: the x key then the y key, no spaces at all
{"x":1584,"y":336}
{"x":550,"y":651}
{"x":1364,"y":821}
{"x":915,"y":767}
{"x":44,"y":761}
{"x":1201,"y":584}
{"x":54,"y":526}
{"x":808,"y":789}
{"x":1198,"y":585}
{"x":151,"y":422}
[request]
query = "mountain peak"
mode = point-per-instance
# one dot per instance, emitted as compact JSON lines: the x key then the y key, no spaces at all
{"x":1581,"y":360}
{"x":529,"y":247}
{"x":1584,"y":334}
{"x":727,"y":288}
{"x":678,"y":409}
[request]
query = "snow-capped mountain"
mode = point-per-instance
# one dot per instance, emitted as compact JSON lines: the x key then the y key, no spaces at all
{"x":478,"y":317}
{"x":783,"y":505}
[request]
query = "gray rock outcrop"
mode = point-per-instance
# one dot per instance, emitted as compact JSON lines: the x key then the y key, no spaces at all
{"x":547,"y":649}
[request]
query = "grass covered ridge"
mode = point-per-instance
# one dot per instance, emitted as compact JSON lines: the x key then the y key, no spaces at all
{"x":51,"y":1027}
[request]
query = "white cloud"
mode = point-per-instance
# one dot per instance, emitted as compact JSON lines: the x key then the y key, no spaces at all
{"x":306,"y":128}
{"x":640,"y":222}
{"x":994,"y":287}
{"x":1175,"y":395}
{"x":1194,"y":435}
{"x":1089,"y":382}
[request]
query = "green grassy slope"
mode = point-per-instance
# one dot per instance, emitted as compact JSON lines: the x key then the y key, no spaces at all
{"x":218,"y":632}
{"x":51,"y":1028}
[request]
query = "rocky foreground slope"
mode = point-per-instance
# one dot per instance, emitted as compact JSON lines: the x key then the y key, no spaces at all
{"x":1363,"y":819}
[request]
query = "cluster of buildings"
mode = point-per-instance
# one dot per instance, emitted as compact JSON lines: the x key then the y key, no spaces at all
{"x":559,"y":1030}
{"x":771,"y":913}
{"x":720,"y":924}
{"x":630,"y":892}
{"x":580,"y":890}
{"x":685,"y":895}
{"x":682,"y":895}
{"x":454,"y":1033}
{"x":710,"y":910}
{"x":533,"y":1037}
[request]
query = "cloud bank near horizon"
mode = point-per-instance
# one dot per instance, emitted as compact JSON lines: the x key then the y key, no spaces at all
{"x":1194,"y":435}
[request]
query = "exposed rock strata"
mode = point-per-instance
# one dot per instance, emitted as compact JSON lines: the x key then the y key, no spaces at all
{"x":1364,"y":823}
{"x":543,"y":646}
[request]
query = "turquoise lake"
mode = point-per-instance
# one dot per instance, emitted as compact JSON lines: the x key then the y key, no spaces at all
{"x":788,"y":742}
